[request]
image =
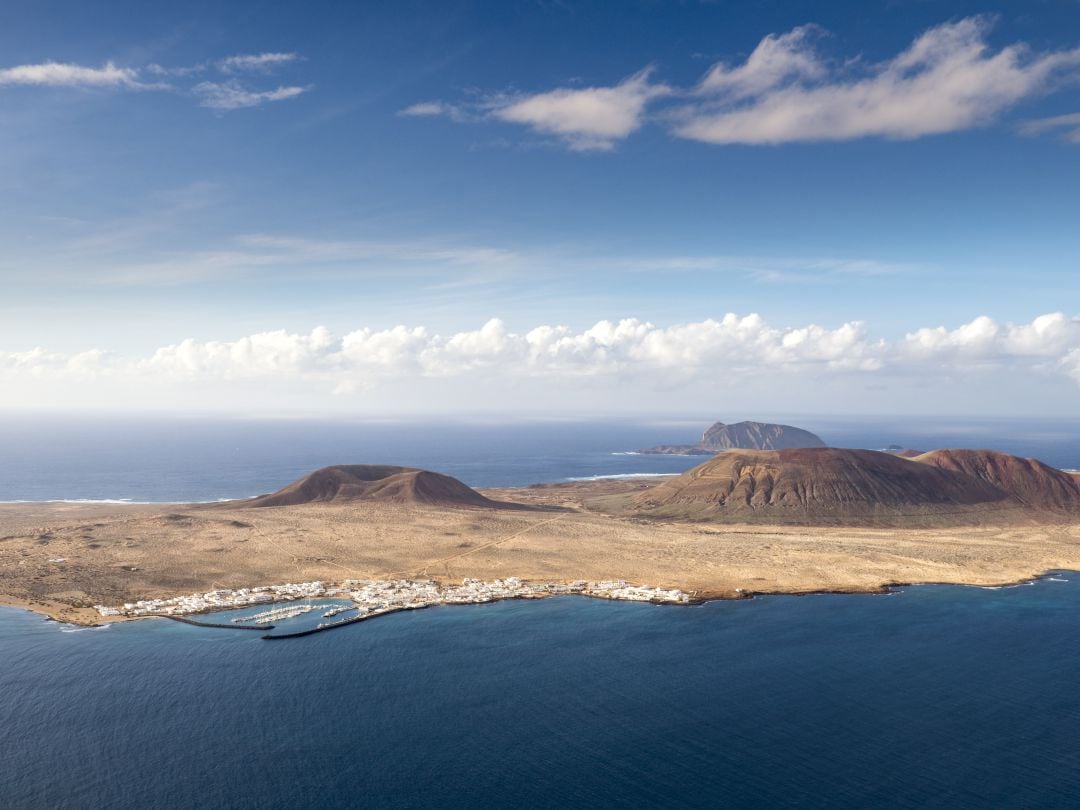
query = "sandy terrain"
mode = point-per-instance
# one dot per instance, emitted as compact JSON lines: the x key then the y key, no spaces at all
{"x":60,"y":559}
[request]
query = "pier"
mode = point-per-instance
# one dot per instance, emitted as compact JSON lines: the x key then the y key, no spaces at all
{"x":220,"y":625}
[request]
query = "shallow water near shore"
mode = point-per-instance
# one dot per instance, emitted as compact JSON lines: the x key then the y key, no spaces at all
{"x":933,"y":695}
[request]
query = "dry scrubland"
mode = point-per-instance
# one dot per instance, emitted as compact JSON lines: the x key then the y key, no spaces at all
{"x":60,"y":559}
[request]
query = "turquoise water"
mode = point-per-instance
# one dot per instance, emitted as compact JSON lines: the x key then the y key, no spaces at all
{"x":932,"y":696}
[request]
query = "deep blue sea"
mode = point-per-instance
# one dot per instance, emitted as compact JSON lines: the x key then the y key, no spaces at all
{"x":931,"y":696}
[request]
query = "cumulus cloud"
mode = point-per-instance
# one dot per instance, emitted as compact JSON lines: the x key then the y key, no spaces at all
{"x":60,"y":74}
{"x":949,"y":79}
{"x":625,"y":351}
{"x":1071,"y":364}
{"x":232,"y":95}
{"x":1048,"y":339}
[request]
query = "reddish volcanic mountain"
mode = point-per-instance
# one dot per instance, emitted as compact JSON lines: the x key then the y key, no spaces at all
{"x":368,"y":482}
{"x":1026,"y":480}
{"x":830,"y":486}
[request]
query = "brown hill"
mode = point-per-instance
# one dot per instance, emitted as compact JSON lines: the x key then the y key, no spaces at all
{"x":743,"y":435}
{"x":824,"y":486}
{"x":1026,"y":480}
{"x":368,"y":482}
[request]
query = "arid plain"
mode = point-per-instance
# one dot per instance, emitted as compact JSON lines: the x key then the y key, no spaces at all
{"x":61,"y":559}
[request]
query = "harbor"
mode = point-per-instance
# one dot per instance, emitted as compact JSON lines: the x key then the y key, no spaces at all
{"x":372,"y":598}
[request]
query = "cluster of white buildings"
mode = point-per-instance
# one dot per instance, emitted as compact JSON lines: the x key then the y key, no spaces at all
{"x":382,"y":596}
{"x":221,"y":599}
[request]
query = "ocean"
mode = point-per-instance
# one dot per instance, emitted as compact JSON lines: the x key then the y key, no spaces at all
{"x":934,"y":696}
{"x":201,"y":459}
{"x":930,"y":696}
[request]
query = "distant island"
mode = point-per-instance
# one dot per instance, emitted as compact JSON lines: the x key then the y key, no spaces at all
{"x":744,"y":436}
{"x":743,"y":522}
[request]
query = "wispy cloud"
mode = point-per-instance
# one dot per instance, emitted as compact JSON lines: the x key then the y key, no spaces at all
{"x":949,"y":79}
{"x":1067,"y":125}
{"x":582,"y":118}
{"x":768,"y":269}
{"x":252,"y":253}
{"x":439,"y":109}
{"x":586,"y":118}
{"x":226,"y":95}
{"x":260,"y":62}
{"x":60,"y":74}
{"x":232,"y":95}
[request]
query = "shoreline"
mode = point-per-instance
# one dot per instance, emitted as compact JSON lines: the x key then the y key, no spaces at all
{"x":59,"y":560}
{"x":54,"y":614}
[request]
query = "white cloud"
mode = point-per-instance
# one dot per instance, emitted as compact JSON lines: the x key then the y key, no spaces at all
{"x":947,"y":80}
{"x":1071,"y":364}
{"x":259,"y":62}
{"x":437,"y":109}
{"x":1069,"y":123}
{"x":222,"y":96}
{"x":586,"y":118}
{"x":184,"y":70}
{"x":59,"y":74}
{"x":583,"y":118}
{"x":983,"y":341}
{"x":265,"y":354}
{"x":232,"y":95}
{"x":610,"y":352}
{"x":38,"y":362}
{"x":776,"y":59}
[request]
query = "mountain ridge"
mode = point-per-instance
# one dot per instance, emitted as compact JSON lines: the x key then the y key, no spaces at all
{"x":829,"y":486}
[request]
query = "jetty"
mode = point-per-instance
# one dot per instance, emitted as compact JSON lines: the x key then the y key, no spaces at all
{"x":219,"y":625}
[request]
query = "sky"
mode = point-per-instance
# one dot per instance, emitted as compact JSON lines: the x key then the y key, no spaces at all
{"x":541,"y":208}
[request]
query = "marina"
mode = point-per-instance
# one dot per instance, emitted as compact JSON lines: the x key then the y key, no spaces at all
{"x":371,"y":598}
{"x":277,"y":614}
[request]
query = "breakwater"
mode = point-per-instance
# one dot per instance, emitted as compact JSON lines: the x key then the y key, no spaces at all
{"x":341,"y":623}
{"x":230,"y":626}
{"x":318,"y":629}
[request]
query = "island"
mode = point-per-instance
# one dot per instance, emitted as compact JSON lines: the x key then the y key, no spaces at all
{"x":744,"y":436}
{"x":744,"y":522}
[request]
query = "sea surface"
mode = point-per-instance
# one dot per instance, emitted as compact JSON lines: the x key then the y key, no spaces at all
{"x":200,"y":459}
{"x":934,"y":696}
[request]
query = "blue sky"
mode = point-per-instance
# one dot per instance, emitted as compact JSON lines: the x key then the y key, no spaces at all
{"x":208,"y":172}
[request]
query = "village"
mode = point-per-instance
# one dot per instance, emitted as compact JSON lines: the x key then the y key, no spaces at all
{"x":382,"y":596}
